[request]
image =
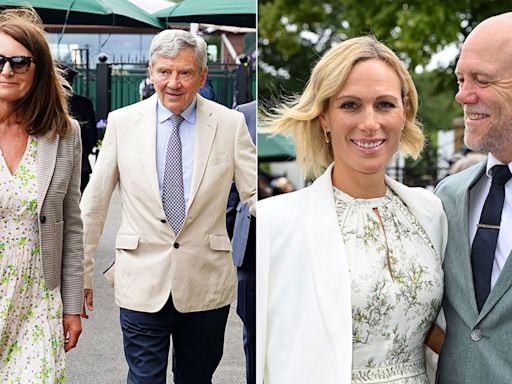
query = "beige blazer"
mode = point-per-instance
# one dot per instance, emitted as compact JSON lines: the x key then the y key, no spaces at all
{"x":151,"y":261}
{"x":58,"y":164}
{"x":303,"y":299}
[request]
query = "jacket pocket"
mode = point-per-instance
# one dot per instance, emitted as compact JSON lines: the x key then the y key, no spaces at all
{"x":219,"y":242}
{"x":128,"y":242}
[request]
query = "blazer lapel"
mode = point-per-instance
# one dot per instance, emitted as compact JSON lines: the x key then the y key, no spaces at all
{"x":458,"y":213}
{"x":45,"y":164}
{"x":146,"y":125}
{"x":206,"y":127}
{"x":330,"y":268}
{"x":500,"y":288}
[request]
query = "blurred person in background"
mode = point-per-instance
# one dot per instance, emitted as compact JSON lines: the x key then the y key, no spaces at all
{"x":82,"y":110}
{"x":465,"y":161}
{"x":349,"y":272}
{"x":41,"y":253}
{"x":281,"y":185}
{"x":242,"y":227}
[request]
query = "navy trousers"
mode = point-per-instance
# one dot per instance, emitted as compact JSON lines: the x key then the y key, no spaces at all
{"x":246,"y":303}
{"x":197,"y":337}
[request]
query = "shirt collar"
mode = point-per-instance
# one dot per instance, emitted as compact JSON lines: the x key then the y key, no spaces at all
{"x":491,"y":162}
{"x":189,"y":114}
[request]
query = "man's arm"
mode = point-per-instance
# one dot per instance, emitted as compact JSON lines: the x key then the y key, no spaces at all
{"x":95,"y":203}
{"x":245,"y":166}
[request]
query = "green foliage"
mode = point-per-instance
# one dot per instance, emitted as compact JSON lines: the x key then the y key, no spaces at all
{"x":437,"y":109}
{"x":293,"y":34}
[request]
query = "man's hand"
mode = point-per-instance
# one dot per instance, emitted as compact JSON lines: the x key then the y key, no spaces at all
{"x":88,"y":303}
{"x":72,"y":330}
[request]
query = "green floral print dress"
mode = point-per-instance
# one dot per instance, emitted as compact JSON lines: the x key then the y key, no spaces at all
{"x":31,"y":333}
{"x":397,"y":286}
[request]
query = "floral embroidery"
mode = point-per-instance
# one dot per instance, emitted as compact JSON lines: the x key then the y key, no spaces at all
{"x":391,"y":313}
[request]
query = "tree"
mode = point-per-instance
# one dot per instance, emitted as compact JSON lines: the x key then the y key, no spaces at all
{"x":293,"y":34}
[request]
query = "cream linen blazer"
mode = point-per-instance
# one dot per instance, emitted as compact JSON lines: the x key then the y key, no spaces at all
{"x":58,"y":164}
{"x":151,"y":261}
{"x":303,"y":299}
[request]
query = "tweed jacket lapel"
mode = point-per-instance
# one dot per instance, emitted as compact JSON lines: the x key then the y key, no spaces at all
{"x":45,"y":164}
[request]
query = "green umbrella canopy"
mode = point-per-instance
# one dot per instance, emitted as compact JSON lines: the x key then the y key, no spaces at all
{"x":275,"y":148}
{"x":119,"y":13}
{"x":239,"y":13}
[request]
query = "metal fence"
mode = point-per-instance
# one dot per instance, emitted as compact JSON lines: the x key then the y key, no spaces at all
{"x":127,"y":77}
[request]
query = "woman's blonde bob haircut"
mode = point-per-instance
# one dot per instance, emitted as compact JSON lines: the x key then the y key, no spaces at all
{"x":300,"y":115}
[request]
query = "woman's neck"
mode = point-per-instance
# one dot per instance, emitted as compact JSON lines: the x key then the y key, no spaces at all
{"x":10,"y":126}
{"x":6,"y":114}
{"x":360,"y":185}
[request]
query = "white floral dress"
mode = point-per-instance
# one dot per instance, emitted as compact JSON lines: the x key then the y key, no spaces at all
{"x":31,"y":334}
{"x":397,"y":286}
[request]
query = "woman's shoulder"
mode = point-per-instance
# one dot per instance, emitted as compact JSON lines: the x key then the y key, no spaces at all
{"x":75,"y":127}
{"x":74,"y":131}
{"x":285,"y":205}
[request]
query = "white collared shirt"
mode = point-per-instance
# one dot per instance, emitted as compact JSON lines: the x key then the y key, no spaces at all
{"x":477,"y":196}
{"x":187,"y":137}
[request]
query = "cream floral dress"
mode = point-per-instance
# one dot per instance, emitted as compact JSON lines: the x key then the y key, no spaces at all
{"x":397,"y":286}
{"x":31,"y":334}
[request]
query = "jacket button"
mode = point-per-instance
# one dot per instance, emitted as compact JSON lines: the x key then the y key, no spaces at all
{"x":43,"y":219}
{"x":163,"y":221}
{"x":176,"y":245}
{"x":476,"y":335}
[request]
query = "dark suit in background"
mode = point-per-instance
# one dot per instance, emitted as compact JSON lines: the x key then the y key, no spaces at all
{"x":81,"y":108}
{"x":242,"y":229}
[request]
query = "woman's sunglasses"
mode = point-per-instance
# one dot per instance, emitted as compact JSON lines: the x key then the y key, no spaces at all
{"x":19,"y":64}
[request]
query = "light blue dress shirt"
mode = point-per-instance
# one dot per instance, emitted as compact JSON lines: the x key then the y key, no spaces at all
{"x":187,"y":137}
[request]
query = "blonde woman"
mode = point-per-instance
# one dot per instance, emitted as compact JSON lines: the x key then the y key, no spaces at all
{"x":349,"y":269}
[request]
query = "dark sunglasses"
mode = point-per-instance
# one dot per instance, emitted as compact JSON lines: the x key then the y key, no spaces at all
{"x":19,"y":64}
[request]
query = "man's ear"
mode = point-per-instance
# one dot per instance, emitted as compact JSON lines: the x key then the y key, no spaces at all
{"x":204,"y":76}
{"x":150,"y":69}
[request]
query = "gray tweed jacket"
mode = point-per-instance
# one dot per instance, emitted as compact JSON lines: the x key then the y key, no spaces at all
{"x":60,"y":226}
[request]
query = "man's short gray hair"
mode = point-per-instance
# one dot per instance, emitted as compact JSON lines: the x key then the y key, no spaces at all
{"x":171,"y":42}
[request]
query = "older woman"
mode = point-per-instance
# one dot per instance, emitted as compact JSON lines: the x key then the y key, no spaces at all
{"x":349,"y":269}
{"x":41,"y":255}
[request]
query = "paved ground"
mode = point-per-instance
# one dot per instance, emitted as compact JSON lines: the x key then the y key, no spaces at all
{"x":99,"y":359}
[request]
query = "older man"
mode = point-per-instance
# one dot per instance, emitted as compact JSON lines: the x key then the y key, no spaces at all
{"x":478,"y":203}
{"x":173,"y":157}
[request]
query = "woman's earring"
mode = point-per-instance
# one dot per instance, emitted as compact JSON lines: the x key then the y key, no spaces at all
{"x":327,"y":137}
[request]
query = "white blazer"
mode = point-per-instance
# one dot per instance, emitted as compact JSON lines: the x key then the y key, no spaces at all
{"x":303,"y":302}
